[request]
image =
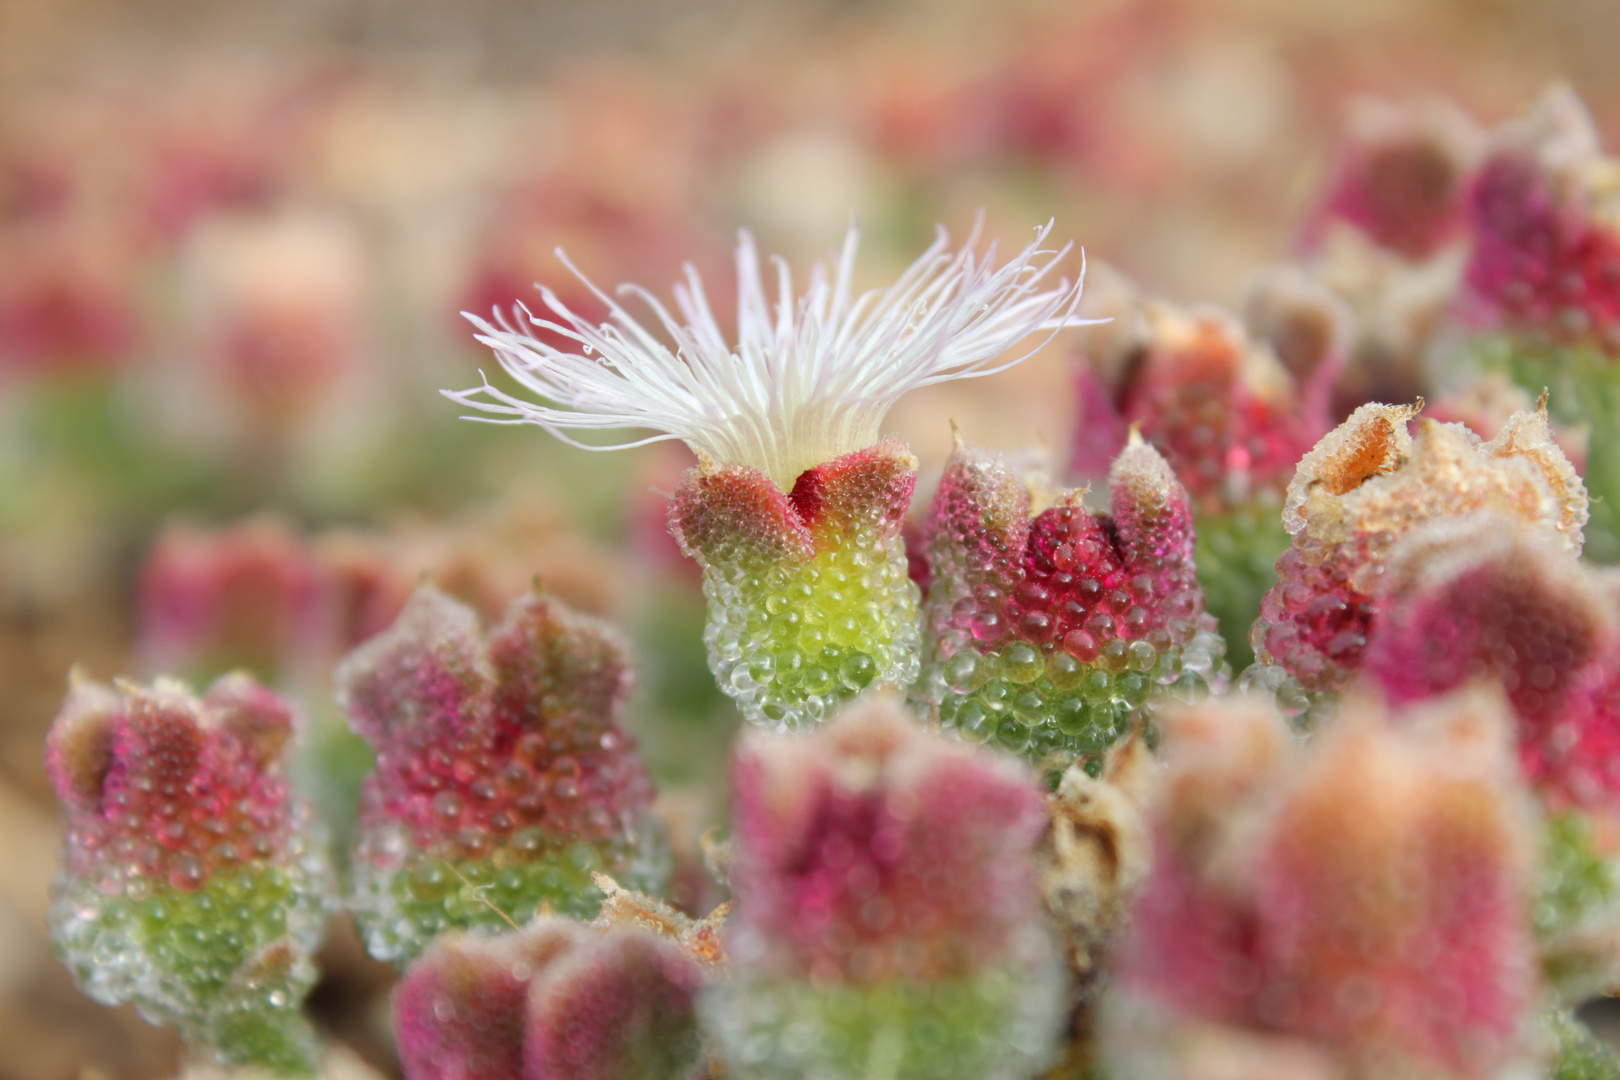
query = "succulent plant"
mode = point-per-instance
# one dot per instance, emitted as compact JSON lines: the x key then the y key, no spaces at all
{"x":1540,"y":299}
{"x":809,"y":598}
{"x":1290,"y":917}
{"x":1367,"y":484}
{"x":504,"y":775}
{"x":1231,"y":405}
{"x":854,"y":947}
{"x":551,"y":1001}
{"x":795,"y":506}
{"x":194,"y":882}
{"x":1047,"y":632}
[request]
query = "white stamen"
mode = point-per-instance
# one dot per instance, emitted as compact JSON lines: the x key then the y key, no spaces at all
{"x":804,"y":383}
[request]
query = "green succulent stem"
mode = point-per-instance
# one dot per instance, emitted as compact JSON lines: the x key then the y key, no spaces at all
{"x":1236,"y":553}
{"x":221,"y":963}
{"x":790,"y":641}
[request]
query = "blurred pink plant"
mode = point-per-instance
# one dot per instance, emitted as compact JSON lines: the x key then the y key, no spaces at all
{"x":1361,"y":905}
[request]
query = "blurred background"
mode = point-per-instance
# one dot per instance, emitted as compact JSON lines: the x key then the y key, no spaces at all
{"x":234,"y":239}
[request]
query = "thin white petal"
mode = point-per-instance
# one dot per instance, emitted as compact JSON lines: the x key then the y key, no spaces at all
{"x":807,"y":380}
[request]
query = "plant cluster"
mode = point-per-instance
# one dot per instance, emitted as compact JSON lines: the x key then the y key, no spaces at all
{"x":1001,"y":807}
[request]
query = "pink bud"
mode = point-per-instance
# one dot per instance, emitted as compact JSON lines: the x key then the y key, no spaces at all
{"x":1480,"y":598}
{"x":246,"y":594}
{"x":1545,"y":253}
{"x":165,"y":788}
{"x":887,"y":908}
{"x":619,"y":1007}
{"x":853,"y":844}
{"x":275,"y":308}
{"x":552,"y":1001}
{"x":1389,"y":933}
{"x":67,"y":297}
{"x":1046,"y":633}
{"x":504,"y":774}
{"x":1400,"y":178}
{"x":1369,"y":482}
{"x":460,"y":1011}
{"x":1231,"y":408}
{"x":195,"y":884}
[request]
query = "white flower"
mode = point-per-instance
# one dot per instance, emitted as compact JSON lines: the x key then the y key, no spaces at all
{"x":805,"y":383}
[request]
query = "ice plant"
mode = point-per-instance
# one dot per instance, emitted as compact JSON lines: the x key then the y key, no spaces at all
{"x":1363,"y":487}
{"x":1232,"y":406}
{"x":248,"y":595}
{"x":504,"y":776}
{"x":1481,"y":598}
{"x":1399,"y":179}
{"x":888,"y":920}
{"x":1290,"y":917}
{"x":275,"y":315}
{"x":1047,"y":631}
{"x":552,"y":1001}
{"x":1541,"y":288}
{"x":1390,"y":236}
{"x":194,"y":882}
{"x":794,"y":509}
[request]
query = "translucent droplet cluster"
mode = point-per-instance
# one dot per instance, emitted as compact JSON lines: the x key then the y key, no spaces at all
{"x":888,"y":920}
{"x":194,"y":885}
{"x":552,"y":1001}
{"x":809,"y":599}
{"x":1046,"y":635}
{"x":1286,"y":910}
{"x":504,"y":776}
{"x":1366,"y":485}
